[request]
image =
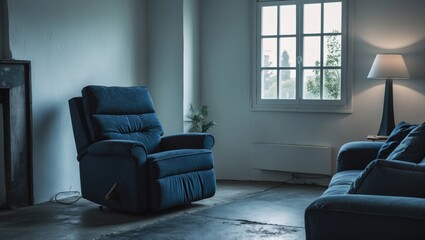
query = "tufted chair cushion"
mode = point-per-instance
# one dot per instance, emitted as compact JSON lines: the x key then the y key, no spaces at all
{"x":125,"y":113}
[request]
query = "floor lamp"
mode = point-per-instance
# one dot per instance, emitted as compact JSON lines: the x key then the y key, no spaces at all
{"x":388,"y":67}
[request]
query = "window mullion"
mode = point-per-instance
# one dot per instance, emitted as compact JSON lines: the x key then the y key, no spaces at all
{"x":258,"y":39}
{"x":299,"y":40}
{"x":322,"y":64}
{"x":278,"y":53}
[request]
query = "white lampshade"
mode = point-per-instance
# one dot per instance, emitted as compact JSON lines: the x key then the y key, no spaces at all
{"x":389,"y":66}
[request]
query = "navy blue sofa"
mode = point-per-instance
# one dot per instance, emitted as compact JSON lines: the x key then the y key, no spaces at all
{"x":125,"y":162}
{"x":369,"y":198}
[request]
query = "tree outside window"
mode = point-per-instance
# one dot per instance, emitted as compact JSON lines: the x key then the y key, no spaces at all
{"x":300,"y":48}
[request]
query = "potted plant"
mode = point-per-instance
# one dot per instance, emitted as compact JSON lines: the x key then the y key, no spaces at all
{"x":198,"y":120}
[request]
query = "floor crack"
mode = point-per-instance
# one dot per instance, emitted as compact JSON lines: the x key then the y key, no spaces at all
{"x":242,"y":221}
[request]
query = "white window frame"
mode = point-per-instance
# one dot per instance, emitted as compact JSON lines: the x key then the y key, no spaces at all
{"x":344,"y":105}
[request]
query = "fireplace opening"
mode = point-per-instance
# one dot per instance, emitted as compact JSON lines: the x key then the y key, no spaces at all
{"x":16,"y":179}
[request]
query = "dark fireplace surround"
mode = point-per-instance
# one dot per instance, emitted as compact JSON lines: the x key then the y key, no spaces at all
{"x":15,"y":95}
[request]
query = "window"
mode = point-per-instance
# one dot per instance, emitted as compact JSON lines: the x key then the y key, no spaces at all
{"x":301,"y":56}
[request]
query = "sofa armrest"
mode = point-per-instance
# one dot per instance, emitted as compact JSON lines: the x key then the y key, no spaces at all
{"x":187,"y":141}
{"x":365,"y":217}
{"x":357,"y":155}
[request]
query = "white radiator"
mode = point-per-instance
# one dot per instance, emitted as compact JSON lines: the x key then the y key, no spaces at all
{"x":292,"y":158}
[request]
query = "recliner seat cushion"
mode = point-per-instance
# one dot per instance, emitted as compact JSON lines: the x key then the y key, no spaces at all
{"x":125,"y":113}
{"x":169,"y":163}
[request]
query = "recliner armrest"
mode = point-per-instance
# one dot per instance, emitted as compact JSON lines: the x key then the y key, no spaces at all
{"x":116,"y":148}
{"x":118,"y":166}
{"x":187,"y":141}
{"x":357,"y":155}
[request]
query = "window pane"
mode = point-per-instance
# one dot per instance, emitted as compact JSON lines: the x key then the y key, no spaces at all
{"x":288,"y":52}
{"x":312,"y":18}
{"x":311,"y":51}
{"x":269,"y":52}
{"x":269,"y":84}
{"x":269,"y":20}
{"x":287,"y":84}
{"x":332,"y":84}
{"x":288,"y":19}
{"x":332,"y":17}
{"x":311,"y":84}
{"x":332,"y":50}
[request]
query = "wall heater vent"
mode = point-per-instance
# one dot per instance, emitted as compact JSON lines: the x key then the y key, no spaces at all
{"x":292,"y":158}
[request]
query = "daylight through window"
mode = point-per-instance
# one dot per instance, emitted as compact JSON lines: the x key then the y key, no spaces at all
{"x":301,"y":54}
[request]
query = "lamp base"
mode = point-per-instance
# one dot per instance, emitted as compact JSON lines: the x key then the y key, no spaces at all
{"x":387,"y":121}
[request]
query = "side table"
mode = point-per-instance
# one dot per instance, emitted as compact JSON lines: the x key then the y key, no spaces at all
{"x":374,"y":138}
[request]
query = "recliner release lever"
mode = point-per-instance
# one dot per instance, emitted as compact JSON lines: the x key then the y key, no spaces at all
{"x":112,"y":192}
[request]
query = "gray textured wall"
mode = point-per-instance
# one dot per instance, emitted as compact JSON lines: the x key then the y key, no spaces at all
{"x":72,"y":44}
{"x":379,"y":26}
{"x":75,"y":43}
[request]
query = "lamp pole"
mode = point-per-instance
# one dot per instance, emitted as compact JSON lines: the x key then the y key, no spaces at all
{"x":387,"y":121}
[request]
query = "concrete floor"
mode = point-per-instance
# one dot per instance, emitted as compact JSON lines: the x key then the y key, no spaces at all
{"x":84,"y":220}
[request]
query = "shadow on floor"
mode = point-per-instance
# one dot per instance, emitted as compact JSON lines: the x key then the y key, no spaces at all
{"x":244,"y":204}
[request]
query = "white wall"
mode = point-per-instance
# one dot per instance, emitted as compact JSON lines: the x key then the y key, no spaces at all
{"x":398,"y":28}
{"x":173,"y":60}
{"x":226,"y":74}
{"x":75,"y":43}
{"x":165,"y":61}
{"x":191,"y":57}
{"x":72,"y":44}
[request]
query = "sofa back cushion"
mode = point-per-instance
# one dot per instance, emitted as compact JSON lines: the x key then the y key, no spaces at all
{"x":412,"y":148}
{"x":397,"y":135}
{"x":125,"y":113}
{"x":391,"y":178}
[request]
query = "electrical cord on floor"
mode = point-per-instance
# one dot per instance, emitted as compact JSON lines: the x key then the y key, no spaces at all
{"x":305,"y":176}
{"x":74,"y":194}
{"x":309,"y":179}
{"x":291,"y":179}
{"x":295,"y":176}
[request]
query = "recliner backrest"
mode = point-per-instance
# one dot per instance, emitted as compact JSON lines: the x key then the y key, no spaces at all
{"x":125,"y":113}
{"x":79,"y":126}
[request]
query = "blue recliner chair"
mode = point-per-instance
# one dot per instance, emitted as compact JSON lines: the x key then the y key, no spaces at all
{"x":126,"y":164}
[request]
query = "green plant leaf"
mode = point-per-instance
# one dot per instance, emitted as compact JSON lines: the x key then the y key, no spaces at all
{"x":198,"y":119}
{"x":208,"y":125}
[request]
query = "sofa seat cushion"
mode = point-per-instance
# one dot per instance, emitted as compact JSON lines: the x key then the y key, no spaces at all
{"x":341,"y":182}
{"x":344,"y":177}
{"x":336,"y":190}
{"x":169,"y":163}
